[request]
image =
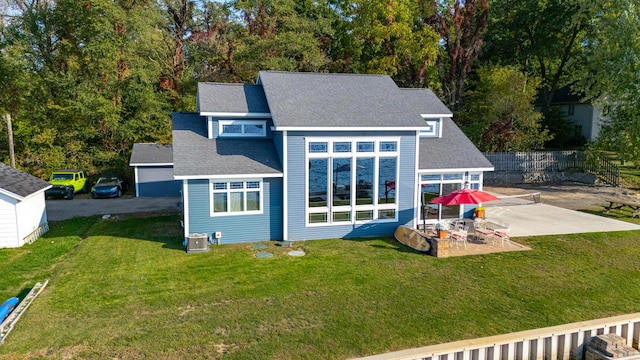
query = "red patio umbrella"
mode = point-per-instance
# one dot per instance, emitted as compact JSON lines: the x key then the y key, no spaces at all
{"x":464,"y":196}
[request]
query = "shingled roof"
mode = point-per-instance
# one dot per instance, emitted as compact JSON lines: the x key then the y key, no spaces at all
{"x":151,"y":154}
{"x":196,"y":155}
{"x":313,"y":100}
{"x":231,"y":98}
{"x":452,"y":151}
{"x":18,"y":184}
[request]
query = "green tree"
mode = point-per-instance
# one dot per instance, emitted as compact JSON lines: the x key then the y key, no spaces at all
{"x":544,"y":38}
{"x":92,"y":71}
{"x":389,"y":38}
{"x":498,"y":114}
{"x":612,"y":74}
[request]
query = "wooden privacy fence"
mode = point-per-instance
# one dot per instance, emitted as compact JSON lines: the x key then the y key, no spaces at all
{"x":554,"y":161}
{"x":561,"y":342}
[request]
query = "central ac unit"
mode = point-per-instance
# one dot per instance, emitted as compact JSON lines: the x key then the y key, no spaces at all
{"x":197,"y":243}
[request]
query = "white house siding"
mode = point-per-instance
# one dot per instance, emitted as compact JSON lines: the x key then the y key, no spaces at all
{"x":31,"y":214}
{"x":8,"y":222}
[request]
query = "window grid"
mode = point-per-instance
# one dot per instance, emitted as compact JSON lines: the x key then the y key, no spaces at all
{"x":325,"y":212}
{"x":235,"y":197}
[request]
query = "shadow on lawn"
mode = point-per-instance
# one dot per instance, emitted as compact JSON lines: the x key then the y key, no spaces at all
{"x":390,"y":243}
{"x":163,"y":227}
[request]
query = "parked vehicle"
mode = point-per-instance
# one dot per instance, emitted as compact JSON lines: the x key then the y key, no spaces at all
{"x":65,"y":183}
{"x":109,"y":187}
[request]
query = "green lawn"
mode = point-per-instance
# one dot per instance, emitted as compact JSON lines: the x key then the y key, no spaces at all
{"x":126,"y":289}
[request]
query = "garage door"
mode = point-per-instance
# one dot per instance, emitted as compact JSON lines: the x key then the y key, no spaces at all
{"x":156,"y":181}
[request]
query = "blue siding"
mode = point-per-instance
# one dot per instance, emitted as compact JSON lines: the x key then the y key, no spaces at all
{"x":237,"y":228}
{"x":297,"y":188}
{"x":278,"y":142}
{"x":160,"y":188}
{"x":216,"y":124}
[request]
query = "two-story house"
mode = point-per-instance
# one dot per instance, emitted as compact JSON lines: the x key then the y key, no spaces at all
{"x":301,"y":156}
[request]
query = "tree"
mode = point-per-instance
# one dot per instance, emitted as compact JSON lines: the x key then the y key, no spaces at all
{"x":461,"y":25}
{"x":389,"y":39}
{"x":543,"y":38}
{"x":498,"y":114}
{"x":612,"y":75}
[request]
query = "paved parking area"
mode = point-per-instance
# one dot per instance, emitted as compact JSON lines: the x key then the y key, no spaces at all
{"x":61,"y":209}
{"x":531,"y":219}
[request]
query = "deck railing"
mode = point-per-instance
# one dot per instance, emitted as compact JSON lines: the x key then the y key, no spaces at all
{"x":555,"y":161}
{"x":561,"y":342}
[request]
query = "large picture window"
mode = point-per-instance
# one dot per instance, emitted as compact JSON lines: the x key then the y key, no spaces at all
{"x":235,"y":197}
{"x":351,"y":181}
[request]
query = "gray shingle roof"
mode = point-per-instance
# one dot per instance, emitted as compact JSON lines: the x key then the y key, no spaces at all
{"x":151,"y":154}
{"x":453,"y":151}
{"x":19,"y":183}
{"x":425,"y":101}
{"x":338,"y":101}
{"x":230,"y":98}
{"x":196,"y":155}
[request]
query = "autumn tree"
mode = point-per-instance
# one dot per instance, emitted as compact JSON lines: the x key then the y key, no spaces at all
{"x":461,"y":26}
{"x":498,"y":113}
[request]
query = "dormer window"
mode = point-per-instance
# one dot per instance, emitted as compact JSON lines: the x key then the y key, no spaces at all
{"x":242,"y":128}
{"x":432,"y":127}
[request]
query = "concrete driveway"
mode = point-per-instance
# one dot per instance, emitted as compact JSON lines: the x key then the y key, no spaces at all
{"x":61,"y":209}
{"x":530,"y":219}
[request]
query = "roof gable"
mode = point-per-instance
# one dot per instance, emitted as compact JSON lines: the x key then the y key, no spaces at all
{"x":18,"y":184}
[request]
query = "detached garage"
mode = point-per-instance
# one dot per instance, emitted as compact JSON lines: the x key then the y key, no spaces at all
{"x":23,"y":215}
{"x":153,"y":170}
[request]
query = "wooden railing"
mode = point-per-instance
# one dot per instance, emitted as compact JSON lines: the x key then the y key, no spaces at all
{"x":555,"y":161}
{"x":561,"y":342}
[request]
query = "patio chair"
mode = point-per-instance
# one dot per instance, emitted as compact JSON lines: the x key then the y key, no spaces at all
{"x":482,"y":232}
{"x":502,"y":235}
{"x":460,"y":236}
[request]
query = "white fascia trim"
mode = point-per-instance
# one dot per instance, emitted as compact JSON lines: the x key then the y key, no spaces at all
{"x":350,"y":128}
{"x":11,"y":195}
{"x":185,"y":207}
{"x":440,"y":171}
{"x":235,"y":114}
{"x":227,"y":176}
{"x":416,"y":184}
{"x":35,"y":194}
{"x":285,"y":189}
{"x":436,"y":115}
{"x":149,"y":164}
{"x":135,"y":180}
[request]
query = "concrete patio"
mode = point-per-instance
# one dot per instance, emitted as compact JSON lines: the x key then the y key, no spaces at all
{"x":532,"y":219}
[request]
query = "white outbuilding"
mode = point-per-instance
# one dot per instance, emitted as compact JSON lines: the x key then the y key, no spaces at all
{"x":23,"y":215}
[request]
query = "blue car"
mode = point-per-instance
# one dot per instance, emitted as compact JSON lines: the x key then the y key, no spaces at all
{"x":108,"y":187}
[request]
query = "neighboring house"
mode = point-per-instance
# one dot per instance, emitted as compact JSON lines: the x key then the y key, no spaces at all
{"x":23,"y":216}
{"x":587,"y":119}
{"x":300,"y":156}
{"x":153,"y":170}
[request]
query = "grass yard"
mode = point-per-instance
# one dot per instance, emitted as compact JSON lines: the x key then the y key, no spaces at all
{"x":126,"y":289}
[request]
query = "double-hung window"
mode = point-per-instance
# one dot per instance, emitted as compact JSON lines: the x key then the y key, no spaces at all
{"x":351,"y":181}
{"x":235,"y":197}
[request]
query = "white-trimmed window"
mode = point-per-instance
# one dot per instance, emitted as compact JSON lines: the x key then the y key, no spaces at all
{"x":438,"y":184}
{"x":431,"y":127}
{"x":351,"y":181}
{"x":235,"y":197}
{"x":242,"y":128}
